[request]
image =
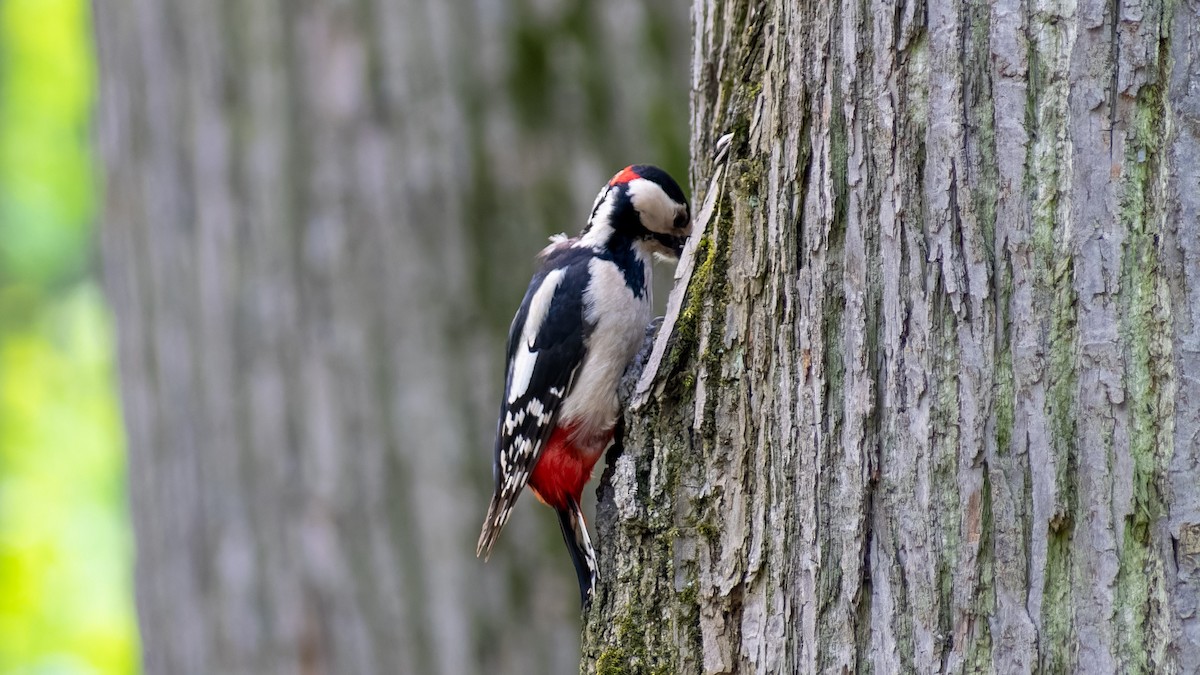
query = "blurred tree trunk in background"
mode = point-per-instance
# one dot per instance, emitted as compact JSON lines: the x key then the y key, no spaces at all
{"x":932,"y":403}
{"x":320,"y":217}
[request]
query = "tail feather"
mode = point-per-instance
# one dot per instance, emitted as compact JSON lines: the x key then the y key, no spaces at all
{"x":579,"y":545}
{"x":497,"y":516}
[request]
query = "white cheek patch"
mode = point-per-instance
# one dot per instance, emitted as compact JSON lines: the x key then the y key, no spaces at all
{"x":525,"y":359}
{"x":657,"y":209}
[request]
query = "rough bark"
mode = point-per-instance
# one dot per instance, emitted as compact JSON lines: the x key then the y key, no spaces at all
{"x":931,"y":401}
{"x":320,"y":217}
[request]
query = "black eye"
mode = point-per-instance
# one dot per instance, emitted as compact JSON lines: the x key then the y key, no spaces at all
{"x":681,"y":221}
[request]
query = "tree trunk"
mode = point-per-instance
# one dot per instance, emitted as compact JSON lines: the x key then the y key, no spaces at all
{"x":931,"y":402}
{"x":320,"y":218}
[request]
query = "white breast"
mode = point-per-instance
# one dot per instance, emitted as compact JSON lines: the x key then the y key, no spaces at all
{"x":620,"y":320}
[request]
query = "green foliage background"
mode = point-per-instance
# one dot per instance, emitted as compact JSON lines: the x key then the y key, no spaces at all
{"x":66,"y":599}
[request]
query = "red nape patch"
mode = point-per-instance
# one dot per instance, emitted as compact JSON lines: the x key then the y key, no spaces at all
{"x":627,"y":174}
{"x":562,"y":470}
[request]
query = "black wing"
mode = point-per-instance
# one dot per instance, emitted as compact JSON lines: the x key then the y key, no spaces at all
{"x":539,"y":376}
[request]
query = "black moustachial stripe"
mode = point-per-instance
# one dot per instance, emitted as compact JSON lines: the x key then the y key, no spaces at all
{"x":620,"y":251}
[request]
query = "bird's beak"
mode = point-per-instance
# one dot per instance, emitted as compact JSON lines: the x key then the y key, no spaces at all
{"x":677,"y":244}
{"x":670,"y":246}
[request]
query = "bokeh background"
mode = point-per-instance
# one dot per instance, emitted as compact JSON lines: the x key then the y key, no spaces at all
{"x":66,"y":554}
{"x":309,"y":224}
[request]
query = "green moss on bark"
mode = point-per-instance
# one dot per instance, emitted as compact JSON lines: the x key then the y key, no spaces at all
{"x":1143,"y":627}
{"x":1057,"y":626}
{"x":1054,"y":280}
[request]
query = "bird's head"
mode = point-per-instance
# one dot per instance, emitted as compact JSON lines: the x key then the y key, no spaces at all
{"x":645,"y":204}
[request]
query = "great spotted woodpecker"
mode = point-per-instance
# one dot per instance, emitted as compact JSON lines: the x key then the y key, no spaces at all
{"x":581,"y":322}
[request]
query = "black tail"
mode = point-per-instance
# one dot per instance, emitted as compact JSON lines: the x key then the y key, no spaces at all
{"x":579,"y":545}
{"x":497,"y":515}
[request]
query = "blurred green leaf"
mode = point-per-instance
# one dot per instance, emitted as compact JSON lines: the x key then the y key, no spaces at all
{"x":47,"y":79}
{"x":66,"y":599}
{"x":64,"y":543}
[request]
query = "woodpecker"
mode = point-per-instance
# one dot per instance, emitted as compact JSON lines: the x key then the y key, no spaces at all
{"x":581,"y":322}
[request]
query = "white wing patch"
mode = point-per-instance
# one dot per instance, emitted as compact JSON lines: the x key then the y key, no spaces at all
{"x":522,"y":369}
{"x":525,"y":358}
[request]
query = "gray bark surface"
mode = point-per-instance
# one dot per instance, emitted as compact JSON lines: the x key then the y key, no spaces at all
{"x":931,"y":402}
{"x":320,"y":218}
